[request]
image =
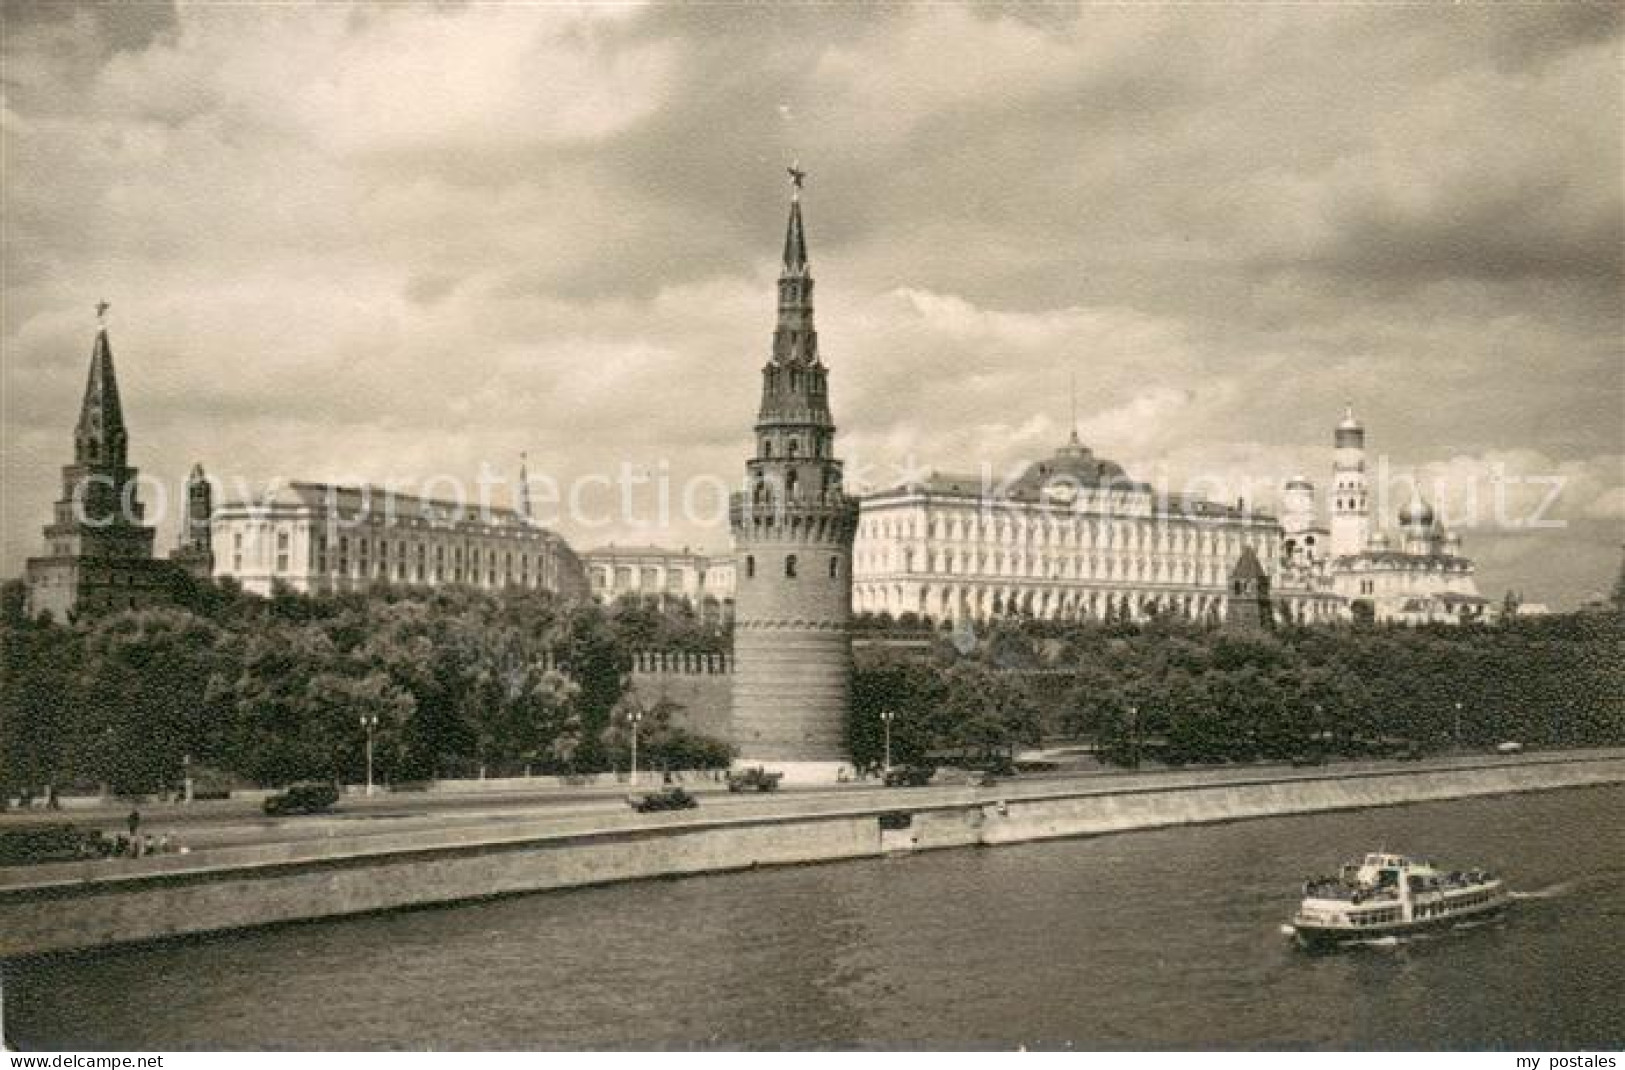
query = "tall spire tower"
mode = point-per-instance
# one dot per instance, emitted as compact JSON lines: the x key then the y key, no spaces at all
{"x":98,"y":548}
{"x":793,"y":530}
{"x":1351,"y":507}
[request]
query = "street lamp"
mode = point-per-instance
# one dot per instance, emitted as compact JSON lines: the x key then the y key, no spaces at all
{"x":1458,"y":726}
{"x":886,"y":718}
{"x":369,"y":721}
{"x":1134,"y":737}
{"x":634,"y":716}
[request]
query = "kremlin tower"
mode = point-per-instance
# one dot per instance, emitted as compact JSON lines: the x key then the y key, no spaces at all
{"x":98,"y":550}
{"x":793,"y":530}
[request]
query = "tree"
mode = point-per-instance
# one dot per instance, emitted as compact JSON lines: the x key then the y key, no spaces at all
{"x":332,"y":740}
{"x":662,"y":744}
{"x":271,"y":739}
{"x":909,"y":689}
{"x":600,"y":666}
{"x":143,"y":697}
{"x":39,"y":689}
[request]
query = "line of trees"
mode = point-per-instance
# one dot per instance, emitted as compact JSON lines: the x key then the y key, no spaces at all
{"x":459,"y":682}
{"x":1192,"y":693}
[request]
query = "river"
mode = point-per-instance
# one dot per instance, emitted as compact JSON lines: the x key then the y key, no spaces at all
{"x":1166,"y":939}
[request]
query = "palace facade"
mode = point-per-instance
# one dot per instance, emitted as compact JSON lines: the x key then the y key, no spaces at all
{"x":1073,"y":537}
{"x":665,"y":576}
{"x":319,"y":537}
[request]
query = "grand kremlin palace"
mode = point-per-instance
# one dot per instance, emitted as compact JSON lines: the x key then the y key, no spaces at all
{"x":1071,"y":538}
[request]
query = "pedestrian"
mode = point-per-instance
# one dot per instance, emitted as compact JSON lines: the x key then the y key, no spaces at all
{"x":133,"y":821}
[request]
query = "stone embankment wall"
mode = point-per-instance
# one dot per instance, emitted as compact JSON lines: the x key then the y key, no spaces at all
{"x":76,"y":905}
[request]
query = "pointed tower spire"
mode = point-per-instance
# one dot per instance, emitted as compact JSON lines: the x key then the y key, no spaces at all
{"x":100,"y":437}
{"x":524,"y":488}
{"x":795,"y":240}
{"x":795,"y":341}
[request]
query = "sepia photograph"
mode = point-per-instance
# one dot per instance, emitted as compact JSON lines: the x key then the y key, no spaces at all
{"x":907,"y":527}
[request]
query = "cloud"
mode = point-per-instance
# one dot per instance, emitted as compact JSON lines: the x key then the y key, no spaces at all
{"x":414,"y":239}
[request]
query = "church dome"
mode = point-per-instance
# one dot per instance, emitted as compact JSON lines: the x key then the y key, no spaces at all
{"x":1073,"y":465}
{"x":1416,"y":513}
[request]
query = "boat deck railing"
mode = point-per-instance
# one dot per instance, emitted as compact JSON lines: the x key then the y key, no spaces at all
{"x":1338,"y":890}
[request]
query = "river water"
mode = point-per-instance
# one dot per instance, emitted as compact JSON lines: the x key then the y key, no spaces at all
{"x":1166,"y":939}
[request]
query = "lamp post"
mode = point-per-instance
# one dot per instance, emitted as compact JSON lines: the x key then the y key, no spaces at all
{"x":1457,"y":733}
{"x":886,"y":718}
{"x":634,"y":716}
{"x":1134,"y":737}
{"x":369,"y":721}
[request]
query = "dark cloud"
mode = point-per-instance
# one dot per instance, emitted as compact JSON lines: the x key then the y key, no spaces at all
{"x":402,"y":238}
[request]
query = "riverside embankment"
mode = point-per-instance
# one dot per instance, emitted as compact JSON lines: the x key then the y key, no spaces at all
{"x":76,"y":905}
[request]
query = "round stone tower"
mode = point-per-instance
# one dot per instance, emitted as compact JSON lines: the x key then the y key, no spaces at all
{"x":793,"y":529}
{"x":1351,"y":510}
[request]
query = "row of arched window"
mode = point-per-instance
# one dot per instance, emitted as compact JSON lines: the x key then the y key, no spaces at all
{"x":1102,"y":534}
{"x":792,"y":447}
{"x":792,"y":566}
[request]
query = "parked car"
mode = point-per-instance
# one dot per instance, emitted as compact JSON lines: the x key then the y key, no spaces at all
{"x":312,"y":798}
{"x":754,"y":779}
{"x":1509,"y":747}
{"x":909,"y":776}
{"x":672,"y":799}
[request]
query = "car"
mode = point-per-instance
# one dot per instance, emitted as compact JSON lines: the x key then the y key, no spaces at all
{"x":909,"y":776}
{"x":997,"y":765}
{"x":671,"y":799}
{"x":1509,"y":747}
{"x":311,"y":798}
{"x":754,"y":779}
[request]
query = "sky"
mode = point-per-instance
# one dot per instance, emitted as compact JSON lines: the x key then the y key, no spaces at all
{"x":402,"y":244}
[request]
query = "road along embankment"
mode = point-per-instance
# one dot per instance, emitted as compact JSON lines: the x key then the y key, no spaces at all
{"x":62,"y":907}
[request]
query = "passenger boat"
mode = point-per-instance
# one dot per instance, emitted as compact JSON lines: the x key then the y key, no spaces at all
{"x":1392,"y":895}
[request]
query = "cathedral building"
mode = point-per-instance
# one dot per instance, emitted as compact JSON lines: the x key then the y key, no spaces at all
{"x":793,"y":530}
{"x":323,"y":538}
{"x":1073,"y":538}
{"x":98,"y":547}
{"x":1422,"y":578}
